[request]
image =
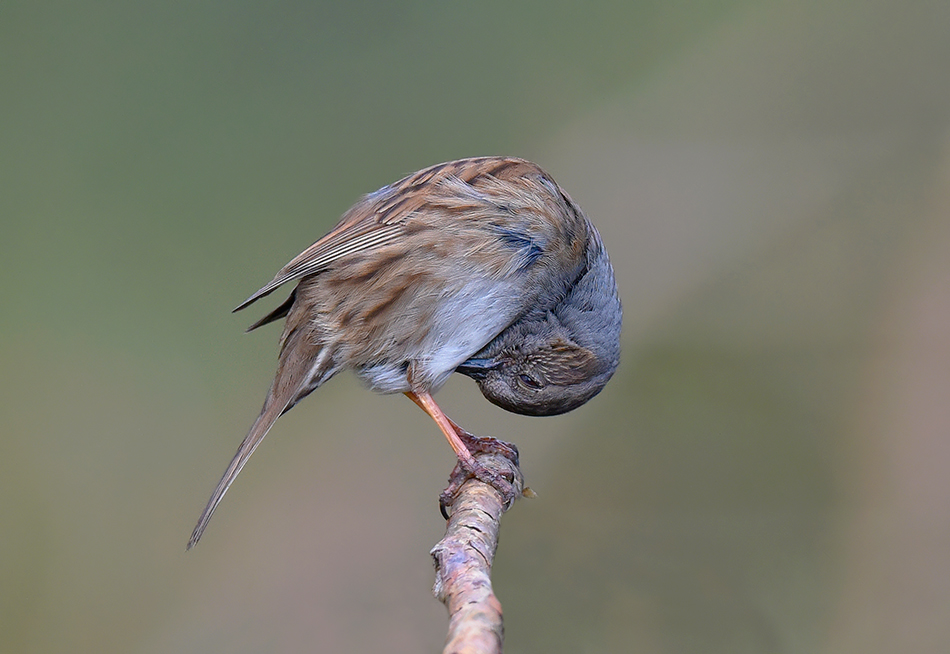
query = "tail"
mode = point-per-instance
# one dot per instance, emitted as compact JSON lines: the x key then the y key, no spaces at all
{"x":298,"y":375}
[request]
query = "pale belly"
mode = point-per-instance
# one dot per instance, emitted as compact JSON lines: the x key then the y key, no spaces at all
{"x":461,"y":326}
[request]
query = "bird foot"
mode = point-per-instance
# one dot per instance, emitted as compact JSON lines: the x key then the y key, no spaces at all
{"x":488,"y":445}
{"x":463,"y":471}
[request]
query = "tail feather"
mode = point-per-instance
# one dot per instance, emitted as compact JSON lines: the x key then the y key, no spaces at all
{"x":299,"y":373}
{"x":271,"y":411}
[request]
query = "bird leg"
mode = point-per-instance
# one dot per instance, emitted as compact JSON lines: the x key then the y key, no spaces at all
{"x":464,"y":444}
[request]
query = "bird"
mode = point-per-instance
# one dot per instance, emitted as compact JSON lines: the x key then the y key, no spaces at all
{"x":482,"y":266}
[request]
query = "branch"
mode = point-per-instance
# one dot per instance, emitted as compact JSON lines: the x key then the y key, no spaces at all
{"x":463,"y":560}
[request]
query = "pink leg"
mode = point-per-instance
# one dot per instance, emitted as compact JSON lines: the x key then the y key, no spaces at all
{"x":464,"y":443}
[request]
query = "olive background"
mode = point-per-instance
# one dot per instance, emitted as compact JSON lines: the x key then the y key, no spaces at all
{"x":768,"y":469}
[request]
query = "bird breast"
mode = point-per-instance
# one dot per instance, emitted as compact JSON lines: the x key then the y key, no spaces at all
{"x":460,"y":325}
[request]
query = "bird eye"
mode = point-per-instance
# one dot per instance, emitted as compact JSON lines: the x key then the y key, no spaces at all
{"x":529,"y":381}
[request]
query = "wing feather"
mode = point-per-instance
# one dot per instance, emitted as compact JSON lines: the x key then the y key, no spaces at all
{"x":381,"y":217}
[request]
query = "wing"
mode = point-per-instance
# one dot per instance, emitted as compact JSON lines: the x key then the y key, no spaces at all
{"x":364,"y":226}
{"x":382,"y":216}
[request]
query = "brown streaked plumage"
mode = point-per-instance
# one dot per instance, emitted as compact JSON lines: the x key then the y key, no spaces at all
{"x":483,"y":266}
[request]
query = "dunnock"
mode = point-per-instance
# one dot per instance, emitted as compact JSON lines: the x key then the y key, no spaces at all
{"x":480,"y":266}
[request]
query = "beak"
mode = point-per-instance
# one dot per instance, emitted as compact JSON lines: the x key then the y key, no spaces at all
{"x":477,"y":369}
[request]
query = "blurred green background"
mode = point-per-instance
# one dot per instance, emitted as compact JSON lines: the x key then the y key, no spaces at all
{"x":768,"y":470}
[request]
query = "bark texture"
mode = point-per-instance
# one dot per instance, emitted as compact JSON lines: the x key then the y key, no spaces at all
{"x":463,"y":560}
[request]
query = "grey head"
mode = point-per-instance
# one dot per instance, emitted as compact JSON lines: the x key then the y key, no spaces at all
{"x":556,"y":358}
